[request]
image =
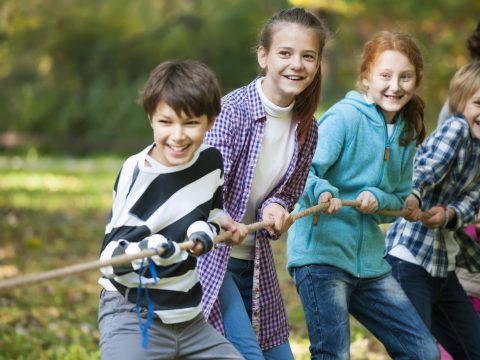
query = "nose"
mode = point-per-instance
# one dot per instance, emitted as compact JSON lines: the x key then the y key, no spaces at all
{"x":178,"y":133}
{"x":395,"y":83}
{"x":296,"y":62}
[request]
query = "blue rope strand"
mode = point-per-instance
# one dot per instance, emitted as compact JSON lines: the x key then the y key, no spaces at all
{"x":144,"y":327}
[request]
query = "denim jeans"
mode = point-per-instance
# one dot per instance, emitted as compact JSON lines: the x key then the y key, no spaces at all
{"x":329,"y":294}
{"x":444,"y":307}
{"x":236,"y":307}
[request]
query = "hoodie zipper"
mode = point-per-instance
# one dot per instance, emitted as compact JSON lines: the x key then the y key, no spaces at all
{"x":386,"y":156}
{"x":386,"y":153}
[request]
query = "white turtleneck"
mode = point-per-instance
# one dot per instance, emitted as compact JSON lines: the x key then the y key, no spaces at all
{"x":275,"y":155}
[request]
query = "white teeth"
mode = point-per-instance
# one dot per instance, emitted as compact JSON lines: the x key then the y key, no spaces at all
{"x":177,"y":148}
{"x":393,"y":97}
{"x":294,"y":77}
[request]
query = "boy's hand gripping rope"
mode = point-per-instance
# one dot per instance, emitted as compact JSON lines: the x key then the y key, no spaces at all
{"x":28,"y":279}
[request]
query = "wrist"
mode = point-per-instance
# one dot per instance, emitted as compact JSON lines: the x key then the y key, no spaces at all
{"x":418,"y":199}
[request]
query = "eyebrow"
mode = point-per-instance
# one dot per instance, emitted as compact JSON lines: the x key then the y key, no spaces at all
{"x":291,"y":48}
{"x":404,"y":71}
{"x":162,"y":116}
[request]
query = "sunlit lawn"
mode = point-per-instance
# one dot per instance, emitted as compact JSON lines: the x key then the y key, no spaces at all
{"x":53,"y":215}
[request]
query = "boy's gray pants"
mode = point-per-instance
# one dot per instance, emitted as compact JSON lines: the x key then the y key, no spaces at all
{"x":121,"y":338}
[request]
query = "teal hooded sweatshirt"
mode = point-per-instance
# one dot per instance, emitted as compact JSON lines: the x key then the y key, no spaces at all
{"x":353,"y":154}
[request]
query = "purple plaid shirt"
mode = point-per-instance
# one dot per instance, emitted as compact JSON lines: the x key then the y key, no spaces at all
{"x":238,"y":133}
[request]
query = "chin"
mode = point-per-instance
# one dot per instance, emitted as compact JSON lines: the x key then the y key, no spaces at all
{"x":178,"y":161}
{"x":393,"y":108}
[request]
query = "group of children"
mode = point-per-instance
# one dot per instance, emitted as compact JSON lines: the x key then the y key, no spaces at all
{"x":258,"y":154}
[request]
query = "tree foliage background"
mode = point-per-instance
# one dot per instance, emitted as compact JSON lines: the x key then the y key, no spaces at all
{"x":70,"y":70}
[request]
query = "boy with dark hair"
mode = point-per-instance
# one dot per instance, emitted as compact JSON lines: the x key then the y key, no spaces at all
{"x":169,"y":192}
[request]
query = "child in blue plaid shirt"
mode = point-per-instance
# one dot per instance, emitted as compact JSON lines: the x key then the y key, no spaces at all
{"x":446,"y":184}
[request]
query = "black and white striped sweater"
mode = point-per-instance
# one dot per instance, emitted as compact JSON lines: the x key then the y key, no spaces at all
{"x":154,"y":204}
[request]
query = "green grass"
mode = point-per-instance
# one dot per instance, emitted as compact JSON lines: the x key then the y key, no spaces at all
{"x":53,"y":215}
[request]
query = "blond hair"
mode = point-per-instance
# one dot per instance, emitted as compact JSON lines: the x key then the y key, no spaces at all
{"x":463,"y":85}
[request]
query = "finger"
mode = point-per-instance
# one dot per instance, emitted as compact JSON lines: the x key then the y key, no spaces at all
{"x":236,"y":239}
{"x":278,"y":224}
{"x":332,"y":208}
{"x":243,"y":230}
{"x":324,"y":198}
{"x":288,"y":223}
{"x":197,"y":249}
{"x":365,"y":202}
{"x":434,"y":220}
{"x":230,"y":227}
{"x":270,"y":230}
{"x":339,"y":204}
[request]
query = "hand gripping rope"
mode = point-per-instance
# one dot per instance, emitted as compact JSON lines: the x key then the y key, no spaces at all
{"x":34,"y":278}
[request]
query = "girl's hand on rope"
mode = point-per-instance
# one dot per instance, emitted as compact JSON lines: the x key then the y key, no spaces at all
{"x":368,"y":202}
{"x":439,"y":217}
{"x":283,"y":219}
{"x":413,"y":205}
{"x":239,"y":231}
{"x":334,"y":204}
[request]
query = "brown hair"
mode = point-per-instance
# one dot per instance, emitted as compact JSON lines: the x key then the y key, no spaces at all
{"x":187,"y":86}
{"x":463,"y":85}
{"x":473,"y":43}
{"x":413,"y":111}
{"x":307,"y":102}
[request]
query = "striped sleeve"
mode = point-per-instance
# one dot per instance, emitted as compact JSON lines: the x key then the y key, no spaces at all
{"x":124,"y":247}
{"x":203,"y":232}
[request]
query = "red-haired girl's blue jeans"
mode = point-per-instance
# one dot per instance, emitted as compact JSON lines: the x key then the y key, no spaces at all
{"x":329,"y":294}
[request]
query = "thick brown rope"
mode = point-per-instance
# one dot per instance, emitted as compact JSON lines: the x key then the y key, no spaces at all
{"x":24,"y":280}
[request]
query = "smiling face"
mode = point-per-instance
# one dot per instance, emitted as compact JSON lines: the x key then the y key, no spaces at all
{"x":390,"y":83}
{"x":176,"y":137}
{"x":290,"y":64}
{"x":472,"y":113}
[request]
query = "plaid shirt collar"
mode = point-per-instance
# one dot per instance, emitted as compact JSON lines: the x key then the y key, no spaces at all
{"x":254,"y":101}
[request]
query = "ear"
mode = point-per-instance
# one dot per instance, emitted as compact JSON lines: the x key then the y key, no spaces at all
{"x":319,"y":63}
{"x":365,"y":83}
{"x":419,"y":79}
{"x":262,"y":57}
